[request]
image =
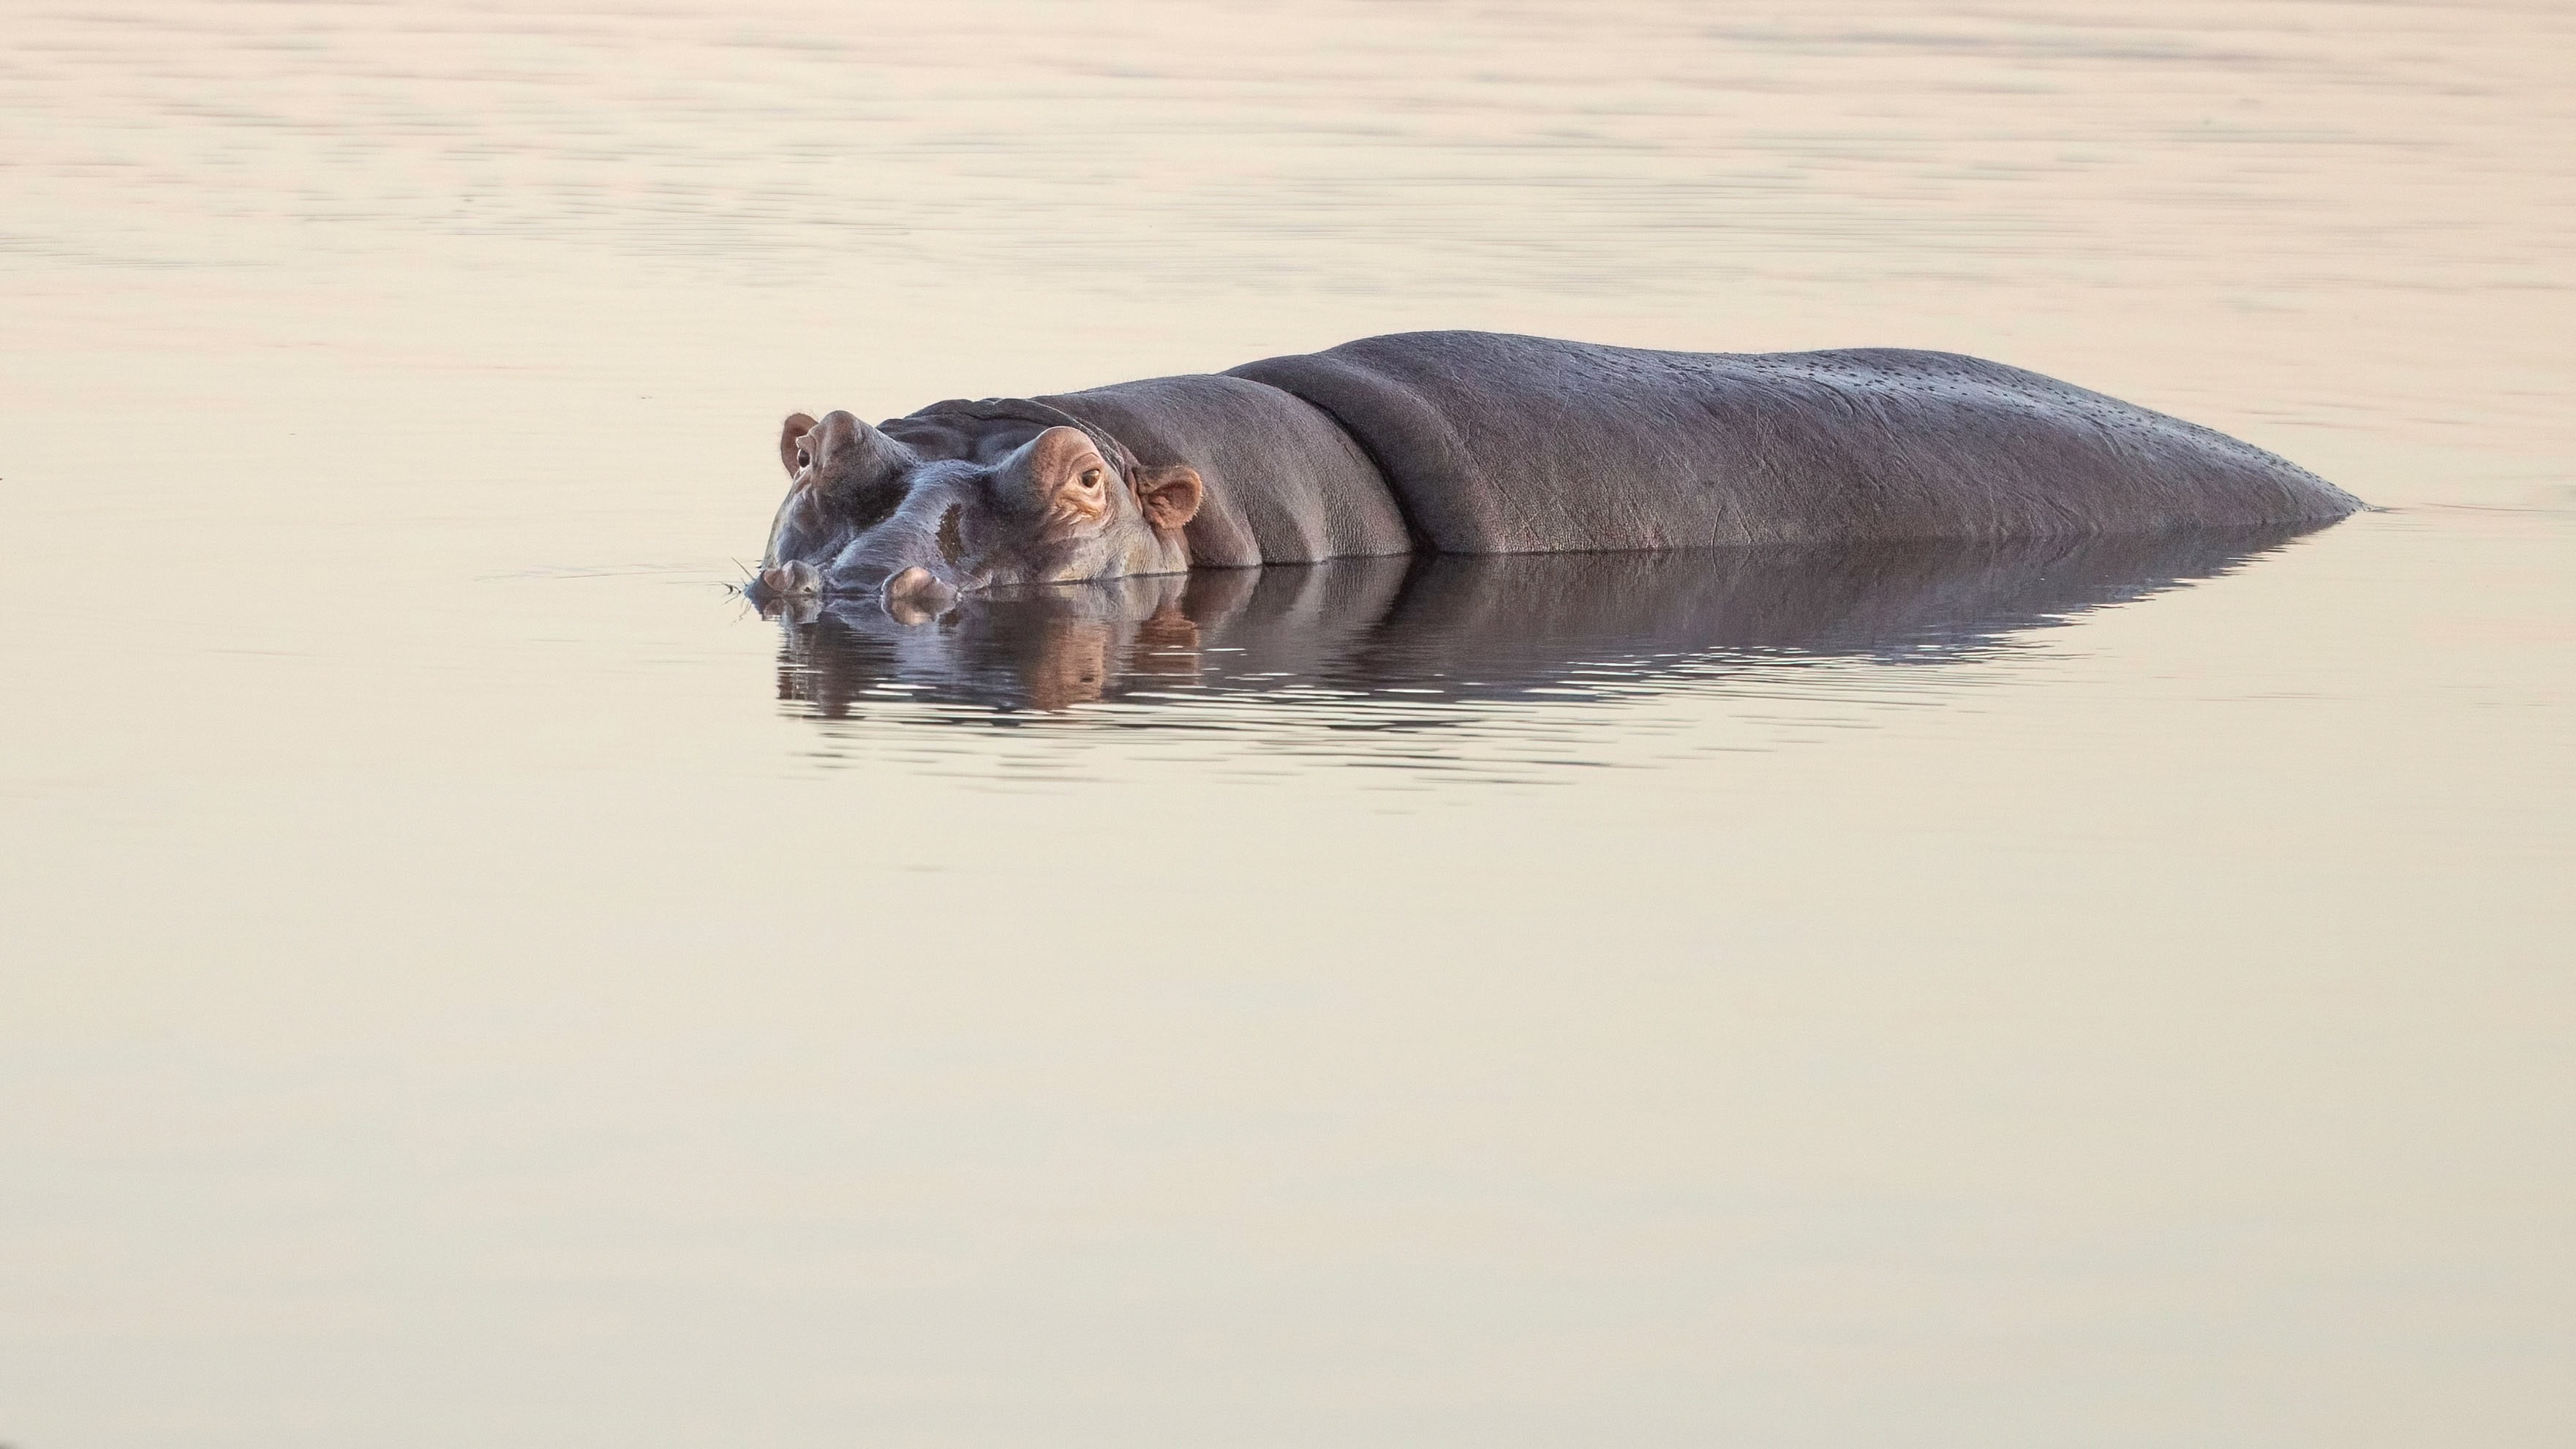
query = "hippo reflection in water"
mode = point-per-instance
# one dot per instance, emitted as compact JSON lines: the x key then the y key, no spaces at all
{"x":1480,"y":443}
{"x":1499,"y":628}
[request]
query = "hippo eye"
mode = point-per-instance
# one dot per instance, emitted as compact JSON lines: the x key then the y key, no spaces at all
{"x":803,"y":461}
{"x":1090,"y":477}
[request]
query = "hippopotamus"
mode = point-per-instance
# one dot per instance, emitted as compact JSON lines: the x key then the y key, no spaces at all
{"x":1489,"y":443}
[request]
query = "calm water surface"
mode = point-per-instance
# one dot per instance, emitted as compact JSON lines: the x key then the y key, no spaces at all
{"x":464,"y":977}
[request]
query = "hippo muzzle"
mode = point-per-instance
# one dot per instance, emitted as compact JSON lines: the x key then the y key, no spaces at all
{"x":916,"y":561}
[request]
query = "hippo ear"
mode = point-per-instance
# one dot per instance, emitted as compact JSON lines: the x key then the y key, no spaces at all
{"x":791,"y":438}
{"x":1170,"y":496}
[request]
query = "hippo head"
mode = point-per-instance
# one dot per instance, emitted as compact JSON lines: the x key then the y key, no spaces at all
{"x":866,"y":515}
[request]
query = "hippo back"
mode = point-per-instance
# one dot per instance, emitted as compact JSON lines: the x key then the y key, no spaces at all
{"x":1495,"y":443}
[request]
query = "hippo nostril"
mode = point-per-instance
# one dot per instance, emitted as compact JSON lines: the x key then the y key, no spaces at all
{"x":793,"y":579}
{"x":915,"y":596}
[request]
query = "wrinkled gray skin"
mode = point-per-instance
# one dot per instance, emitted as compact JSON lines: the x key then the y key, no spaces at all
{"x":1487,"y":443}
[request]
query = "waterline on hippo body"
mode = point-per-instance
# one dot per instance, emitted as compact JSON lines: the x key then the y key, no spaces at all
{"x":1392,"y":635}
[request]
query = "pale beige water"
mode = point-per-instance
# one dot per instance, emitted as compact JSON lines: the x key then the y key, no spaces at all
{"x":451,"y":996}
